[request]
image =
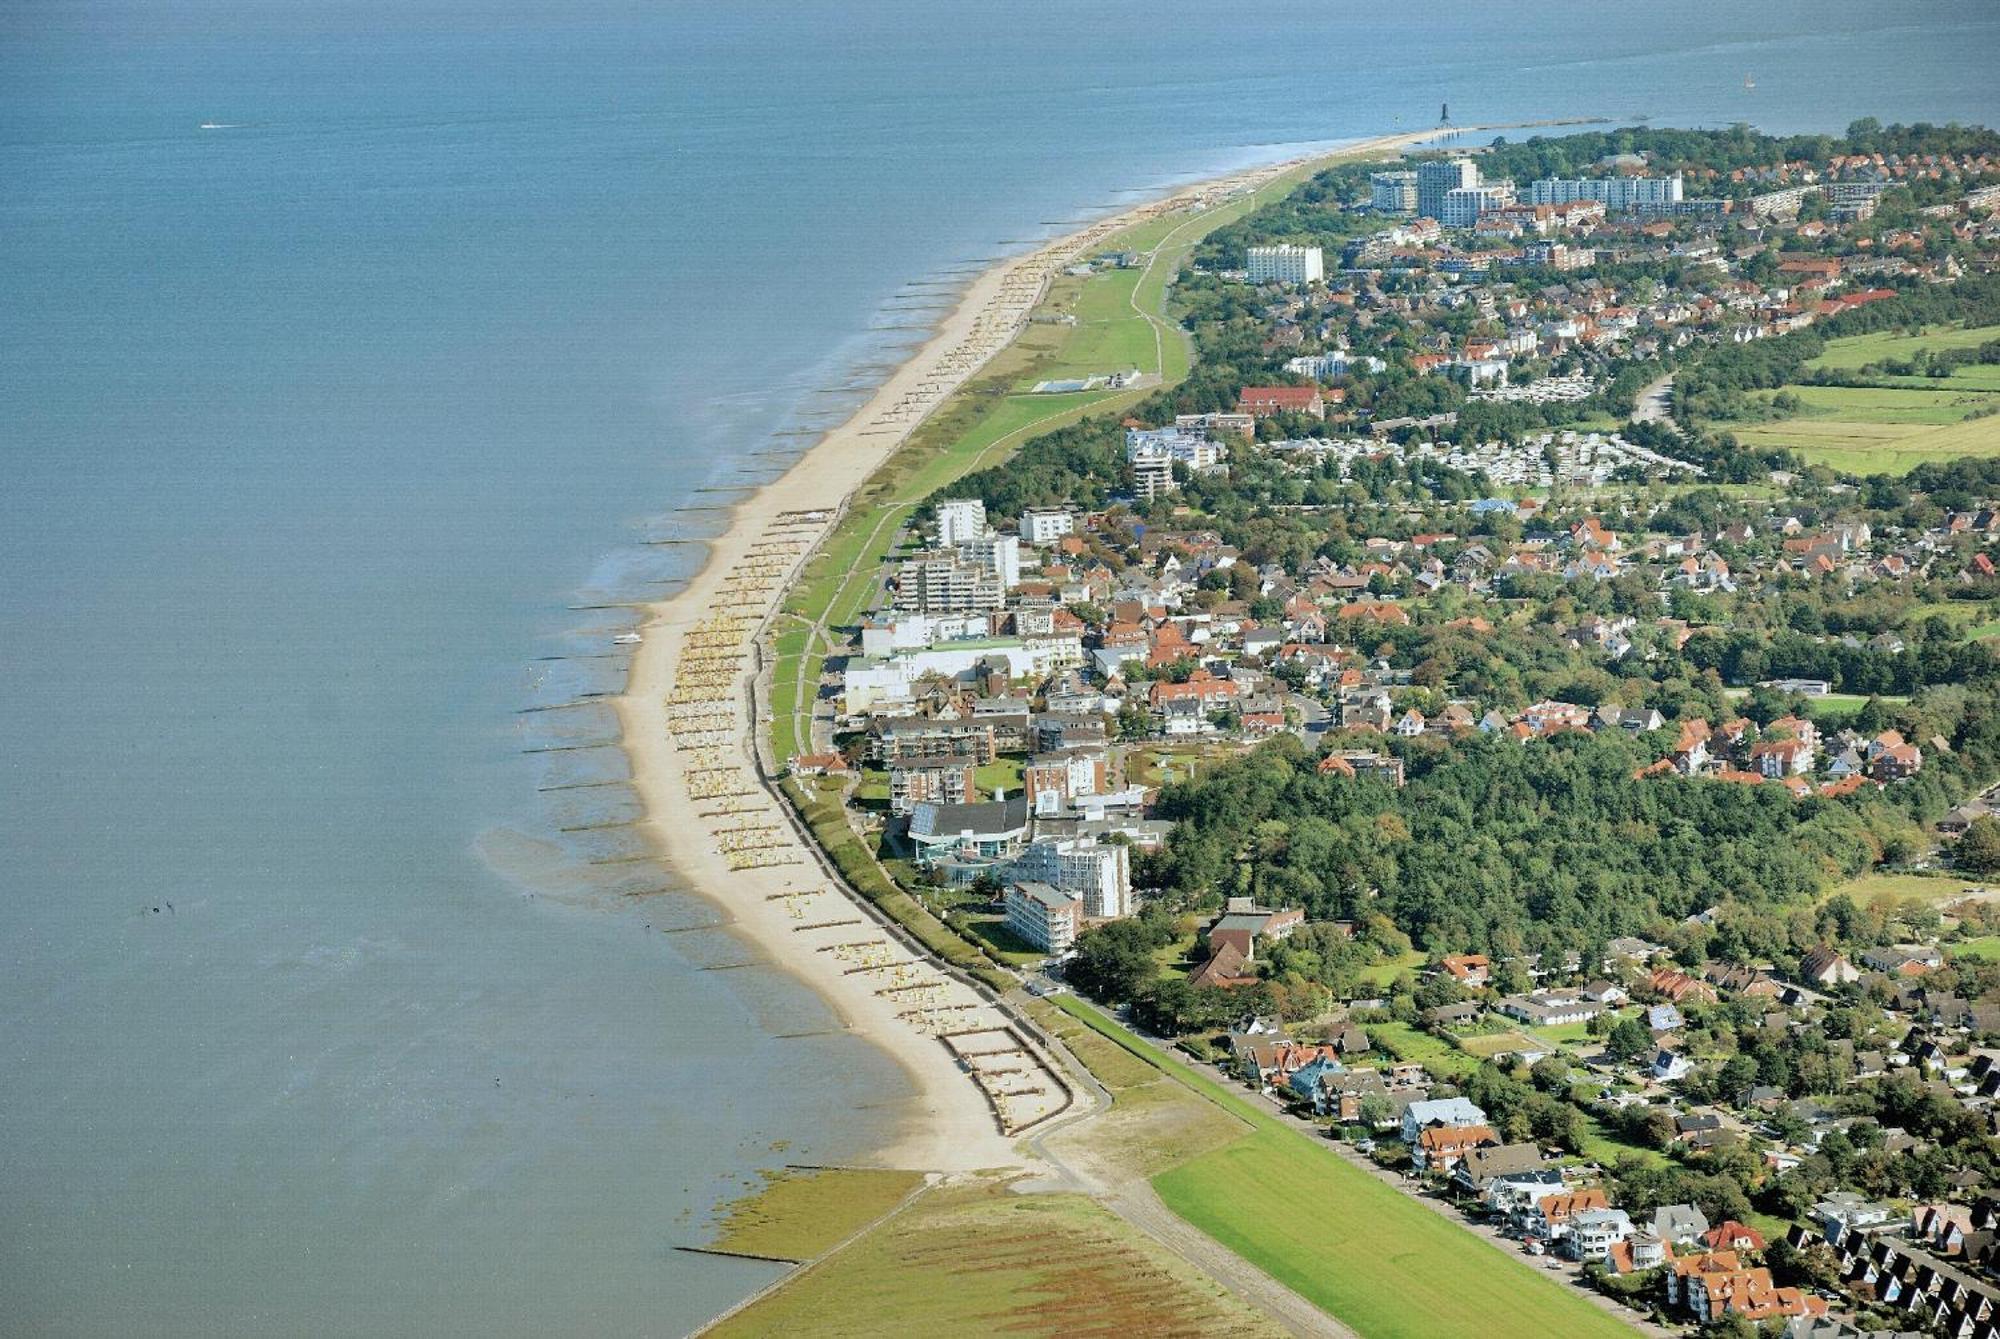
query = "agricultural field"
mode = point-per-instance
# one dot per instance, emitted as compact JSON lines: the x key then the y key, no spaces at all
{"x":975,"y":1258}
{"x":1856,"y":351}
{"x":1882,"y":430}
{"x":1902,"y":422}
{"x":1986,"y":948}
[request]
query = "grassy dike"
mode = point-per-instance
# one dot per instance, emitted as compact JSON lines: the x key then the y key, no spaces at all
{"x":974,"y":1257}
{"x":1352,"y":1245}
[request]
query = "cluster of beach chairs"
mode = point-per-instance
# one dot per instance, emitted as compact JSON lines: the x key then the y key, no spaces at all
{"x":706,"y":711}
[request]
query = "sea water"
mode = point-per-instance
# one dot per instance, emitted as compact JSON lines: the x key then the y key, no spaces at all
{"x":333,"y":999}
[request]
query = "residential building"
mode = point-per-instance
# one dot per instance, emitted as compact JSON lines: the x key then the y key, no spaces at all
{"x":1286,"y":265}
{"x":1045,"y":525}
{"x":1044,"y":916}
{"x":959,"y":520}
{"x":998,"y":554}
{"x":930,"y":781}
{"x":1593,"y":1232}
{"x":1462,"y":206}
{"x":1393,"y":192}
{"x":941,"y":582}
{"x":1099,"y":874}
{"x":1264,"y":401}
{"x":1456,"y":1112}
{"x":1438,"y":177}
{"x":1616,"y":194}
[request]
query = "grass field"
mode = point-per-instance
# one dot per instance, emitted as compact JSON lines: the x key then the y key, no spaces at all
{"x":1902,"y":888}
{"x":1856,"y":351}
{"x":1986,"y":948}
{"x":1496,"y":1043}
{"x":1357,"y":1248}
{"x":977,"y":1259}
{"x":1892,"y":427}
{"x":801,"y":1212}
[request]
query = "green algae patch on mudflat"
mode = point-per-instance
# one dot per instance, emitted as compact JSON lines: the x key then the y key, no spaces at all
{"x":974,"y":1258}
{"x":800,"y":1213}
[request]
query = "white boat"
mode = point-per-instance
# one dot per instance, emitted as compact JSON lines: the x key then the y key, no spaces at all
{"x":217,"y":125}
{"x":627,"y":639}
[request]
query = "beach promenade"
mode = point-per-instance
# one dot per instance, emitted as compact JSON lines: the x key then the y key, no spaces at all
{"x":689,"y":723}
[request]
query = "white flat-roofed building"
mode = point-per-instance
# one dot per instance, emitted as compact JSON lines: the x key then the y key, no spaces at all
{"x":1286,"y":265}
{"x":1435,"y":178}
{"x":998,"y":554}
{"x":1043,"y":915}
{"x":959,"y":520}
{"x":1393,"y":192}
{"x":1616,"y":194}
{"x":1462,"y":205}
{"x":1099,"y":874}
{"x":1045,"y":525}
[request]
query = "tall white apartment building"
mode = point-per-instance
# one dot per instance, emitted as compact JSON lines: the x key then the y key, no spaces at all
{"x":1101,"y":875}
{"x":1436,"y":178}
{"x":941,"y":582}
{"x":960,"y":520}
{"x":1286,"y":265}
{"x":1044,"y":916}
{"x":998,"y":554}
{"x":1617,"y":194}
{"x":1045,"y":525}
{"x":1464,"y":204}
{"x":1393,"y":192}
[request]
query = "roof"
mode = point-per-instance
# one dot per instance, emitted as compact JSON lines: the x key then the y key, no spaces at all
{"x":989,"y":818}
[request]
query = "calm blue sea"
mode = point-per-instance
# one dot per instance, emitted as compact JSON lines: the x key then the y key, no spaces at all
{"x":324,"y":1006}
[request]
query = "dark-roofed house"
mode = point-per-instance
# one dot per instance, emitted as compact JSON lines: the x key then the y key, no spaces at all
{"x":988,"y":829}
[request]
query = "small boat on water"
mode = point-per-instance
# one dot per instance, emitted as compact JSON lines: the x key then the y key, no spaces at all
{"x":1748,"y":83}
{"x":217,"y":125}
{"x":627,"y":639}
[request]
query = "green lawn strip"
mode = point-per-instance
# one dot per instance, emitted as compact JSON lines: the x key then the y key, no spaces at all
{"x":800,"y":1212}
{"x":1359,"y":1249}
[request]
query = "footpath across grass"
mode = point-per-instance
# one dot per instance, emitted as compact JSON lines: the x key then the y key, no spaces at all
{"x":1353,"y":1246}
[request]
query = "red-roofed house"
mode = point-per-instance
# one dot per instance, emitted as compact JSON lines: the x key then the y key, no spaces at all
{"x":1263,"y":401}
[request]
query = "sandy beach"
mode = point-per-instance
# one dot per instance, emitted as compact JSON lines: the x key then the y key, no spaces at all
{"x":688,"y":722}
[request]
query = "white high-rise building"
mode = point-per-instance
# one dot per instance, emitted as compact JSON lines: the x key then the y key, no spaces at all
{"x":998,"y":554}
{"x":960,"y":520}
{"x":1463,"y":205}
{"x":1393,"y":192}
{"x":1436,"y":178}
{"x":1616,"y":194}
{"x":1286,"y":265}
{"x":1045,"y":525}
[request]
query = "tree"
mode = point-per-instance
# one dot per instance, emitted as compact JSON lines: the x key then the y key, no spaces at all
{"x":1630,"y":1038}
{"x":1979,"y":848}
{"x":1113,"y":962}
